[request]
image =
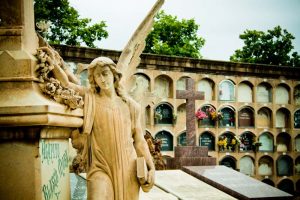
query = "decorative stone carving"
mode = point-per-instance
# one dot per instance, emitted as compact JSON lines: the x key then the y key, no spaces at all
{"x":47,"y":58}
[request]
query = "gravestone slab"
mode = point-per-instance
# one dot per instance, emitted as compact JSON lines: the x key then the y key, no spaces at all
{"x":235,"y":183}
{"x":79,"y":190}
{"x":186,"y":187}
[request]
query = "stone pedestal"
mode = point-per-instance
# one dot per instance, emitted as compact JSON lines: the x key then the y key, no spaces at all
{"x":190,"y":156}
{"x":34,"y":165}
{"x":34,"y":130}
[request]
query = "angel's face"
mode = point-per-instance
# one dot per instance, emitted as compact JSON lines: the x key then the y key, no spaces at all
{"x":104,"y":77}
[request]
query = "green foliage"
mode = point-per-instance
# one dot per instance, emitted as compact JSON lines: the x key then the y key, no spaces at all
{"x":66,"y":26}
{"x":273,"y":47}
{"x":172,"y":37}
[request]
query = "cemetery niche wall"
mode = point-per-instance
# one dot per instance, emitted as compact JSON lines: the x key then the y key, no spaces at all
{"x":163,"y":114}
{"x":228,"y":161}
{"x":245,"y":93}
{"x":264,"y":93}
{"x":297,"y":119}
{"x":208,"y":119}
{"x":208,"y":140}
{"x":228,"y":88}
{"x":228,"y":117}
{"x":246,"y":117}
{"x":207,"y":86}
{"x":166,"y":140}
{"x":264,"y":117}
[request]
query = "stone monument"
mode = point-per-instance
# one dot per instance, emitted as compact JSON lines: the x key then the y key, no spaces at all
{"x":190,"y":155}
{"x":34,"y":129}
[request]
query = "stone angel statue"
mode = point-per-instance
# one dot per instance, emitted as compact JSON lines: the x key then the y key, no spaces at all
{"x":112,"y":125}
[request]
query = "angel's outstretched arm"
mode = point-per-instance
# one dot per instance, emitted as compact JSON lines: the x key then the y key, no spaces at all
{"x":62,"y":76}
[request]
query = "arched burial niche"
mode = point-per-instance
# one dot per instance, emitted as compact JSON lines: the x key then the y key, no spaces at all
{"x":297,"y":95}
{"x":297,"y":165}
{"x":282,"y":95}
{"x":226,"y":90}
{"x":247,"y":138}
{"x":265,"y":166}
{"x":227,"y":142}
{"x":228,"y":119}
{"x":264,"y":93}
{"x":207,"y":139}
{"x":298,"y":188}
{"x":246,"y":117}
{"x":141,"y":86}
{"x":264,"y":118}
{"x":209,"y":121}
{"x":284,"y":165}
{"x":228,"y":161}
{"x":163,"y":114}
{"x":267,"y":142}
{"x":181,"y":83}
{"x":268,"y":181}
{"x":181,"y":139}
{"x":163,"y":86}
{"x":283,"y":142}
{"x":297,"y":119}
{"x":297,"y":143}
{"x":166,"y":140}
{"x":245,"y":89}
{"x":286,"y":185}
{"x":247,"y":165}
{"x":282,"y":118}
{"x":207,"y":87}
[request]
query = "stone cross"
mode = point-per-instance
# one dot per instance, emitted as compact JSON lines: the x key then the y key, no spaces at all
{"x":190,"y":95}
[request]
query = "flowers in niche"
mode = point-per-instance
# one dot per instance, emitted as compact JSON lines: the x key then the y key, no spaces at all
{"x":201,"y":114}
{"x":214,"y":115}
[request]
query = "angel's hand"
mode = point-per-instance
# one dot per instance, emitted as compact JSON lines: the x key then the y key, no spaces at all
{"x":150,"y":181}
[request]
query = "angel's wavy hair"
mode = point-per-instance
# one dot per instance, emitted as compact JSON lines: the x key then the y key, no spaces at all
{"x":101,"y":62}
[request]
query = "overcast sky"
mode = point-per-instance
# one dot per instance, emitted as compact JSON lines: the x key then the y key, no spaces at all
{"x":221,"y":21}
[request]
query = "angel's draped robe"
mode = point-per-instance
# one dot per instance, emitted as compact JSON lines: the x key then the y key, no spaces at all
{"x":111,"y":149}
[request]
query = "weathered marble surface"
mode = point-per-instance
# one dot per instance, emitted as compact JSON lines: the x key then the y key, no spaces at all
{"x":235,"y":183}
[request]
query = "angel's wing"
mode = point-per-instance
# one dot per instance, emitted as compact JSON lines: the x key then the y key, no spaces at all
{"x":130,"y":57}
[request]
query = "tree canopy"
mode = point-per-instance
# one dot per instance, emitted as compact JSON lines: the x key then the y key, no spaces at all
{"x":169,"y":36}
{"x":272,"y":47}
{"x":65,"y":25}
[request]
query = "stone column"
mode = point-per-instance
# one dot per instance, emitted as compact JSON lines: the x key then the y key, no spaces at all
{"x":34,"y":130}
